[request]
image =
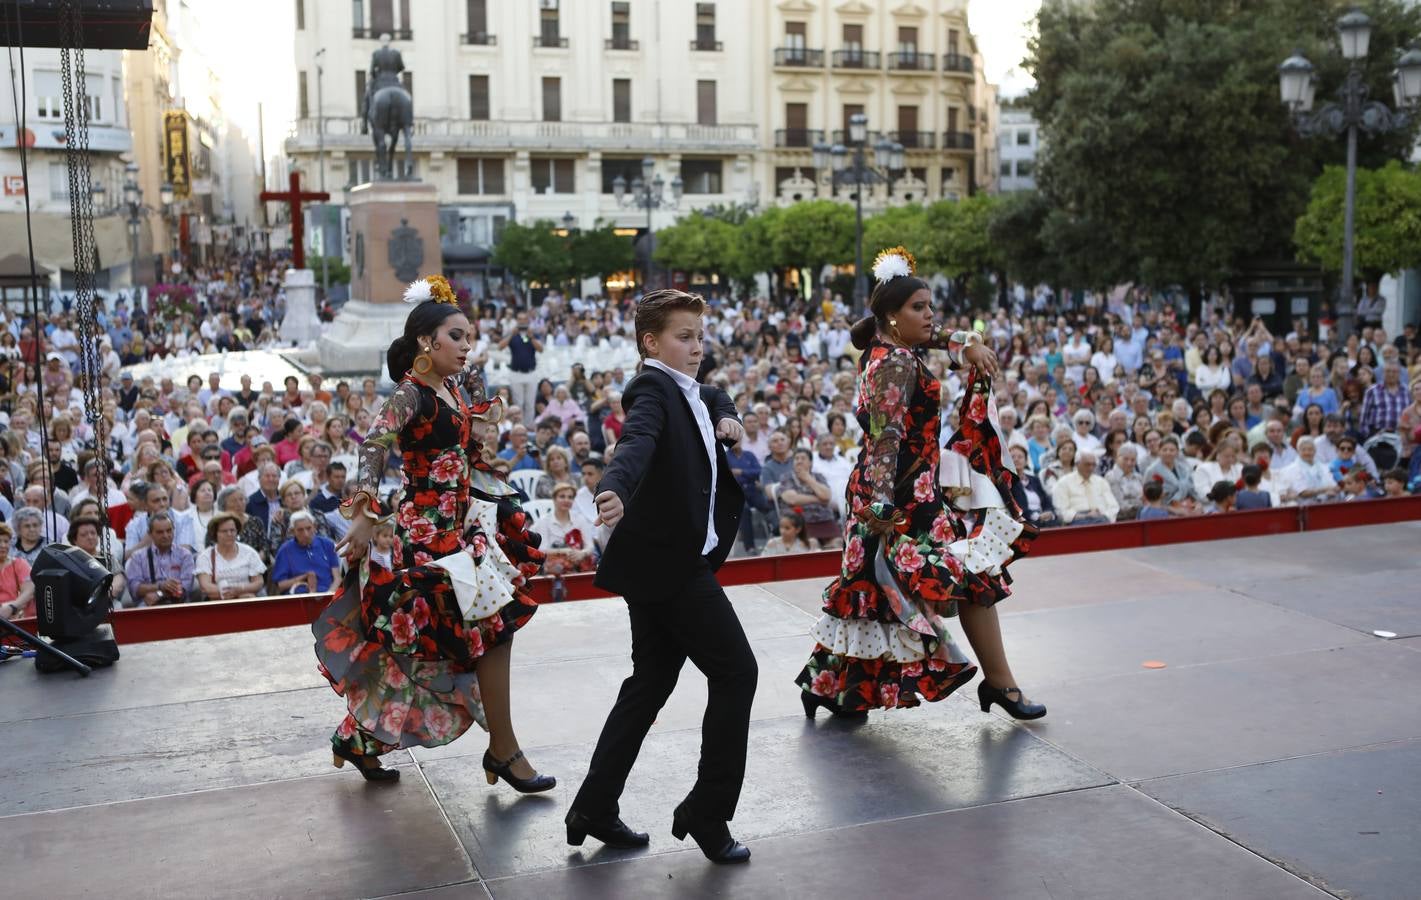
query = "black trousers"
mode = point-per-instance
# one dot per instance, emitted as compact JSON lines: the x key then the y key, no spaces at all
{"x":698,"y":623}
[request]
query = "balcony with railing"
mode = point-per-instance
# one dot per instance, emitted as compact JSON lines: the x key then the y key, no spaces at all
{"x":343,"y":132}
{"x":839,"y":136}
{"x":856,"y":59}
{"x":622,"y":43}
{"x":548,"y":40}
{"x":798,"y":137}
{"x":957,"y":63}
{"x":479,"y":39}
{"x":706,"y":44}
{"x":396,"y":34}
{"x":799,"y":57}
{"x":959,"y":140}
{"x":914,"y":140}
{"x":911,"y":61}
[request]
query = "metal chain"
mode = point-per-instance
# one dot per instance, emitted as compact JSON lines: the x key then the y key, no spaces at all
{"x":78,"y":109}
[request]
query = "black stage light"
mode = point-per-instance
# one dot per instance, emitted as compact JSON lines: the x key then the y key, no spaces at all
{"x":71,"y":592}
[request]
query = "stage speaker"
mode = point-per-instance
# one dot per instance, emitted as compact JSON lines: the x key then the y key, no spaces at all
{"x":107,"y":24}
{"x":71,"y":592}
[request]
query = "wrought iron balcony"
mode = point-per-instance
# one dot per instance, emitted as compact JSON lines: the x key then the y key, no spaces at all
{"x":543,"y":40}
{"x":798,"y":137}
{"x":856,"y":59}
{"x":911,"y":61}
{"x":914,"y":140}
{"x":622,"y":43}
{"x":959,"y":140}
{"x":957,"y":62}
{"x":480,"y":39}
{"x":396,"y":34}
{"x":842,"y":137}
{"x":706,"y":44}
{"x":799,"y":56}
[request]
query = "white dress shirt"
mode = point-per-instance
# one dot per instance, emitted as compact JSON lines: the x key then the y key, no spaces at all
{"x":1073,"y":496}
{"x":691,"y":390}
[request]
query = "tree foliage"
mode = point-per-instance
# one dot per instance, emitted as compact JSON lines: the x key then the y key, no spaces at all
{"x":1168,"y":157}
{"x":599,"y":251}
{"x":813,"y":234}
{"x":1387,"y":227}
{"x":534,"y":252}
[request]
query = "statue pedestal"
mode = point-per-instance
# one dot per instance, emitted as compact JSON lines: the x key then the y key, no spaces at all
{"x":301,"y":324}
{"x":395,"y":233}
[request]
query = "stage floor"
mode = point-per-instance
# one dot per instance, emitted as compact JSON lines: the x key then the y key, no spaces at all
{"x":1277,"y":755}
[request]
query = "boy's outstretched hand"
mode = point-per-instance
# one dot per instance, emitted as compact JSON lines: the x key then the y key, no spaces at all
{"x":609,"y":509}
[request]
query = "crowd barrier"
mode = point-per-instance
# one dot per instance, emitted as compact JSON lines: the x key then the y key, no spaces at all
{"x":161,"y":623}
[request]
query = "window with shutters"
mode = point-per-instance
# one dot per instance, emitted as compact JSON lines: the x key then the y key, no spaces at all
{"x":908,"y":40}
{"x":953,"y":41}
{"x":702,"y":176}
{"x":552,"y":99}
{"x":382,"y":17}
{"x":621,"y":99}
{"x":357,"y":14}
{"x":478,"y":17}
{"x":795,"y":36}
{"x":705,"y":102}
{"x":850,"y":110}
{"x":705,"y":26}
{"x":554,"y":175}
{"x":621,"y":25}
{"x":480,"y":175}
{"x":300,"y":15}
{"x":478,"y":98}
{"x":360,"y":92}
{"x":301,"y":104}
{"x":548,"y":28}
{"x":853,"y":38}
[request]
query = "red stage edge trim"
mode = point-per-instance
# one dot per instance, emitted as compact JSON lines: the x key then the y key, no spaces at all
{"x":162,"y":623}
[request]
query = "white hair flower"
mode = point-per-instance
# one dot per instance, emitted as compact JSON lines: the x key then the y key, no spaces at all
{"x":419,"y":291}
{"x":894,"y":263}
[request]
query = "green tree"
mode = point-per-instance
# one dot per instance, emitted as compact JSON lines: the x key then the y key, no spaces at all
{"x":599,"y":251}
{"x":1017,"y":229}
{"x":1388,"y":220}
{"x":814,"y":234}
{"x":534,"y":252}
{"x":699,"y":244}
{"x":905,"y":225}
{"x":1168,"y":157}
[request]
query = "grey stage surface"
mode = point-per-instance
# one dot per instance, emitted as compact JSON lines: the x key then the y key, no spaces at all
{"x":1277,"y":755}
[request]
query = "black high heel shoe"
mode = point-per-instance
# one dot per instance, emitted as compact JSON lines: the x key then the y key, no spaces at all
{"x":369,"y":767}
{"x":494,"y":770}
{"x":812,"y":702}
{"x":1017,"y":709}
{"x":712,"y":837}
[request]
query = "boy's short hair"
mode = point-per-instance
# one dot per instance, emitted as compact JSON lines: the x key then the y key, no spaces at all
{"x":1153,"y":491}
{"x":1397,"y":474}
{"x":656,"y":308}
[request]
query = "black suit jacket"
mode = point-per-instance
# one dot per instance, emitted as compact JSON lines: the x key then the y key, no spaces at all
{"x":660,"y":471}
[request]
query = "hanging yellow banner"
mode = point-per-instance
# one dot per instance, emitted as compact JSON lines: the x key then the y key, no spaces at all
{"x":175,"y":153}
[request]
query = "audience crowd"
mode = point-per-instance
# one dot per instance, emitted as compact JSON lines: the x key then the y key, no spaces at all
{"x":1112,"y":409}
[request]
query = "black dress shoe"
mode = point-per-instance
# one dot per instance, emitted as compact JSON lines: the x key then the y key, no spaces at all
{"x":1017,"y":709}
{"x":713,"y":837}
{"x":611,"y":831}
{"x":494,"y":770}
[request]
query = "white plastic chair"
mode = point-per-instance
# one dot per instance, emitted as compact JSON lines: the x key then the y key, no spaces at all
{"x":536,"y":509}
{"x":526,"y":480}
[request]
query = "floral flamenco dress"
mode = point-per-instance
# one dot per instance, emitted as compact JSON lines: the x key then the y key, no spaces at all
{"x":400,"y":643}
{"x":881,"y":641}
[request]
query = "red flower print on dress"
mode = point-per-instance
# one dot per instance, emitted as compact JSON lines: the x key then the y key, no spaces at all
{"x":340,"y":639}
{"x":962,"y":448}
{"x":408,"y":515}
{"x":414,"y":718}
{"x":912,"y":669}
{"x":892,"y":397}
{"x":825,"y":684}
{"x":356,"y":696}
{"x":936,"y":665}
{"x":392,"y":720}
{"x":923,"y":487}
{"x":941,"y":531}
{"x":853,"y":554}
{"x":907,"y":557}
{"x":475,"y":641}
{"x":447,"y":469}
{"x":480,"y":545}
{"x":888,"y":695}
{"x":392,"y":676}
{"x":346,"y":728}
{"x":438,"y":722}
{"x":420,"y":610}
{"x":421,"y":558}
{"x":449,"y":505}
{"x":422,"y":531}
{"x":977,"y":409}
{"x":402,"y":627}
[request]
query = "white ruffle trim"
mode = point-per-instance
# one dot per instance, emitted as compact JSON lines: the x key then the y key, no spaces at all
{"x":867,"y":639}
{"x":989,"y":548}
{"x":482,"y":589}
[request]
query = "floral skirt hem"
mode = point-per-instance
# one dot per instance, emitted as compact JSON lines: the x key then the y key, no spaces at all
{"x":858,"y":685}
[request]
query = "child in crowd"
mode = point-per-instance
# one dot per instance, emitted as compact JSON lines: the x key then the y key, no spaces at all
{"x":1355,"y":486}
{"x":1394,"y":483}
{"x":384,"y":539}
{"x":1252,"y":496}
{"x":1224,"y":496}
{"x":1155,"y":507}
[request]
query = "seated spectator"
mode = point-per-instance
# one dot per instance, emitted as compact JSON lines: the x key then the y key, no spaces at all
{"x":1062,"y":462}
{"x":1393,"y":485}
{"x":1127,"y":482}
{"x":17,"y":590}
{"x":778,"y":463}
{"x":807,"y":493}
{"x":520,"y":453}
{"x":54,"y":525}
{"x":1306,"y":480}
{"x":791,"y":539}
{"x":307,"y":562}
{"x":1346,"y":460}
{"x":1223,"y":497}
{"x":156,"y":499}
{"x":746,"y":469}
{"x":1154,"y":504}
{"x":569,"y":540}
{"x":557,"y":468}
{"x":331,"y":494}
{"x":1358,"y":485}
{"x":228,"y":569}
{"x":288,"y":445}
{"x":1084,"y":436}
{"x":1251,"y":495}
{"x":565,"y":409}
{"x":29,"y":533}
{"x":835,"y":468}
{"x":1030,"y":494}
{"x":109,"y":540}
{"x":1083,"y":497}
{"x":86,"y":533}
{"x":165,"y":571}
{"x":1222,"y":465}
{"x":204,"y":505}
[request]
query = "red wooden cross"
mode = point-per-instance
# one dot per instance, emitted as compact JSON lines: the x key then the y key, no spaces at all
{"x":293,"y":198}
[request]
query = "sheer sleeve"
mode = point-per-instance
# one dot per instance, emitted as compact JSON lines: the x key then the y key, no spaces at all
{"x":384,"y":435}
{"x":888,"y":390}
{"x":472,"y":381}
{"x":954,"y":342}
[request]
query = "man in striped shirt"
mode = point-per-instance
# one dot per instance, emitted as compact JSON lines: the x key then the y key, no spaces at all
{"x":1383,"y":403}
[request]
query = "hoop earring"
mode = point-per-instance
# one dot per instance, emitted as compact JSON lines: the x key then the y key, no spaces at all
{"x":423,"y":365}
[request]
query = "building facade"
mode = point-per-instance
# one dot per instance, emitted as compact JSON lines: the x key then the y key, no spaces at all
{"x":532,"y":109}
{"x":1019,"y":140}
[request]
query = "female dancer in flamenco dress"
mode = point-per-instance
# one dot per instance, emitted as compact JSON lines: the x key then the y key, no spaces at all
{"x":420,"y":650}
{"x":908,"y":557}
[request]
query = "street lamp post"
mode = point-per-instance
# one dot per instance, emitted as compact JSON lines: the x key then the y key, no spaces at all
{"x":321,"y":156}
{"x":849,"y":165}
{"x":132,"y":203}
{"x":648,"y":193}
{"x":1298,"y":85}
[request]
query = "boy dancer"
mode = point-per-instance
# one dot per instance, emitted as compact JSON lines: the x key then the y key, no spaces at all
{"x":674,"y":505}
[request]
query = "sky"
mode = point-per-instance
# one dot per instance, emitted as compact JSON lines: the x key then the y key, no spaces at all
{"x":262,"y":30}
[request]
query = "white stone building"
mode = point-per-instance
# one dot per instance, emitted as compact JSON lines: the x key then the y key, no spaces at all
{"x":1019,"y":140}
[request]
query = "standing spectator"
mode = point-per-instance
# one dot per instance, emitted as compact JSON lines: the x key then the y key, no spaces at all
{"x":1382,"y":403}
{"x":523,"y":349}
{"x":228,"y":569}
{"x":165,"y":571}
{"x":1083,"y":497}
{"x":307,"y":562}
